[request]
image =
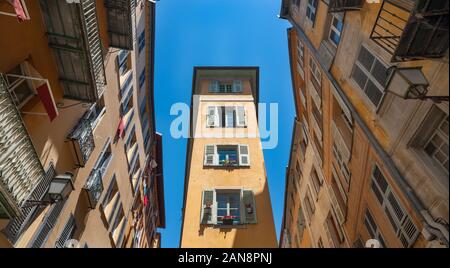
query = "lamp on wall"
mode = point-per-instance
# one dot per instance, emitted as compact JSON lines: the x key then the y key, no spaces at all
{"x":410,"y":83}
{"x":60,"y":188}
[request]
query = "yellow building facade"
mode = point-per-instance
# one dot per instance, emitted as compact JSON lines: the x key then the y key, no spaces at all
{"x":366,"y":163}
{"x":226,"y":199}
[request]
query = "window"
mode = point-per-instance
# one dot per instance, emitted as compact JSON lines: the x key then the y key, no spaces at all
{"x":370,"y":75}
{"x":96,"y":112}
{"x":320,"y":243}
{"x":227,"y":155}
{"x":141,"y":41}
{"x":335,"y":29}
{"x":342,"y":164}
{"x":316,"y":76}
{"x":142,"y":78}
{"x":437,"y":145}
{"x":301,"y":58}
{"x":309,"y":205}
{"x":228,"y":207}
{"x":111,"y":201}
{"x":372,"y":228}
{"x":333,"y":230}
{"x":316,"y":182}
{"x":123,"y":61}
{"x":67,"y":232}
{"x":311,"y":10}
{"x":226,"y":116}
{"x":401,"y":222}
{"x":105,"y":158}
{"x":233,"y":86}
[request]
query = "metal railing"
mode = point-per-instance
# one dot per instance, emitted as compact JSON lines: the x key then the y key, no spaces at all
{"x":94,"y":187}
{"x":21,"y":170}
{"x":83,"y":141}
{"x":411,"y":30}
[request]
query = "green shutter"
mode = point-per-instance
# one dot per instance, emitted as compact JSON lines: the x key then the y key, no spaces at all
{"x":207,"y":213}
{"x":249,"y":204}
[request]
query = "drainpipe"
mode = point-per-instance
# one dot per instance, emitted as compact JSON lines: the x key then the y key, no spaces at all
{"x":435,"y":228}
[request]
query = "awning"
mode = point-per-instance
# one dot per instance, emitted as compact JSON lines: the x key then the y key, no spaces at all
{"x":42,"y":88}
{"x":20,"y":9}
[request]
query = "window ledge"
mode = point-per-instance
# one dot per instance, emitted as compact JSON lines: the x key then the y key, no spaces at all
{"x":237,"y":226}
{"x":225,"y":167}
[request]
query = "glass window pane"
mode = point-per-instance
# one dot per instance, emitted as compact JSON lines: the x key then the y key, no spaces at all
{"x":379,"y":73}
{"x":359,"y":76}
{"x":374,"y":93}
{"x":365,"y":58}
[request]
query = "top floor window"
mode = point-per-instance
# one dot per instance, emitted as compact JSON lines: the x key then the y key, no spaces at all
{"x":336,"y":29}
{"x":370,"y":75}
{"x":311,"y":10}
{"x":233,"y":86}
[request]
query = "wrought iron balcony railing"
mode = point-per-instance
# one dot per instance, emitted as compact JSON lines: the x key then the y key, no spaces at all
{"x":82,"y":139}
{"x":94,"y":187}
{"x":344,"y":5}
{"x":20,"y":168}
{"x":73,"y":34}
{"x":412,"y":29}
{"x":119,"y":18}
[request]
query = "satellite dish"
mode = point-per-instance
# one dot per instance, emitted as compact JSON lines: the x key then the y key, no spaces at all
{"x":373,"y":243}
{"x":72,"y":243}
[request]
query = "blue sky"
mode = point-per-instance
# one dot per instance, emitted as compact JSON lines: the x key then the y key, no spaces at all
{"x":219,"y":33}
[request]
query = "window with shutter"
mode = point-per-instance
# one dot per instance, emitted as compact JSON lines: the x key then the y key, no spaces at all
{"x":67,"y":233}
{"x":311,"y":10}
{"x":237,"y":86}
{"x":248,"y":201}
{"x":210,"y":155}
{"x":241,"y":120}
{"x":230,"y":121}
{"x":244,"y":155}
{"x":370,"y":74}
{"x":208,"y":207}
{"x":372,"y":228}
{"x":213,"y":86}
{"x":40,"y":237}
{"x":211,"y":116}
{"x":17,"y":225}
{"x":401,"y":222}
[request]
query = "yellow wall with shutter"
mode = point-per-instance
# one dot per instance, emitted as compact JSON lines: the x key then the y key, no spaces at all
{"x":195,"y":235}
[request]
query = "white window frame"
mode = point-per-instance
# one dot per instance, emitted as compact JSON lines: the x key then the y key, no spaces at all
{"x":369,"y":75}
{"x":444,"y":137}
{"x":208,"y":155}
{"x":338,"y":17}
{"x":313,"y":10}
{"x":393,"y":210}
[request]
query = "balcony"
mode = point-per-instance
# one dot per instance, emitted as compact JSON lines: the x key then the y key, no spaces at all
{"x":94,"y":187}
{"x":344,"y":5}
{"x":82,"y":138}
{"x":412,"y":30}
{"x":20,"y":168}
{"x":119,"y":18}
{"x":73,"y":34}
